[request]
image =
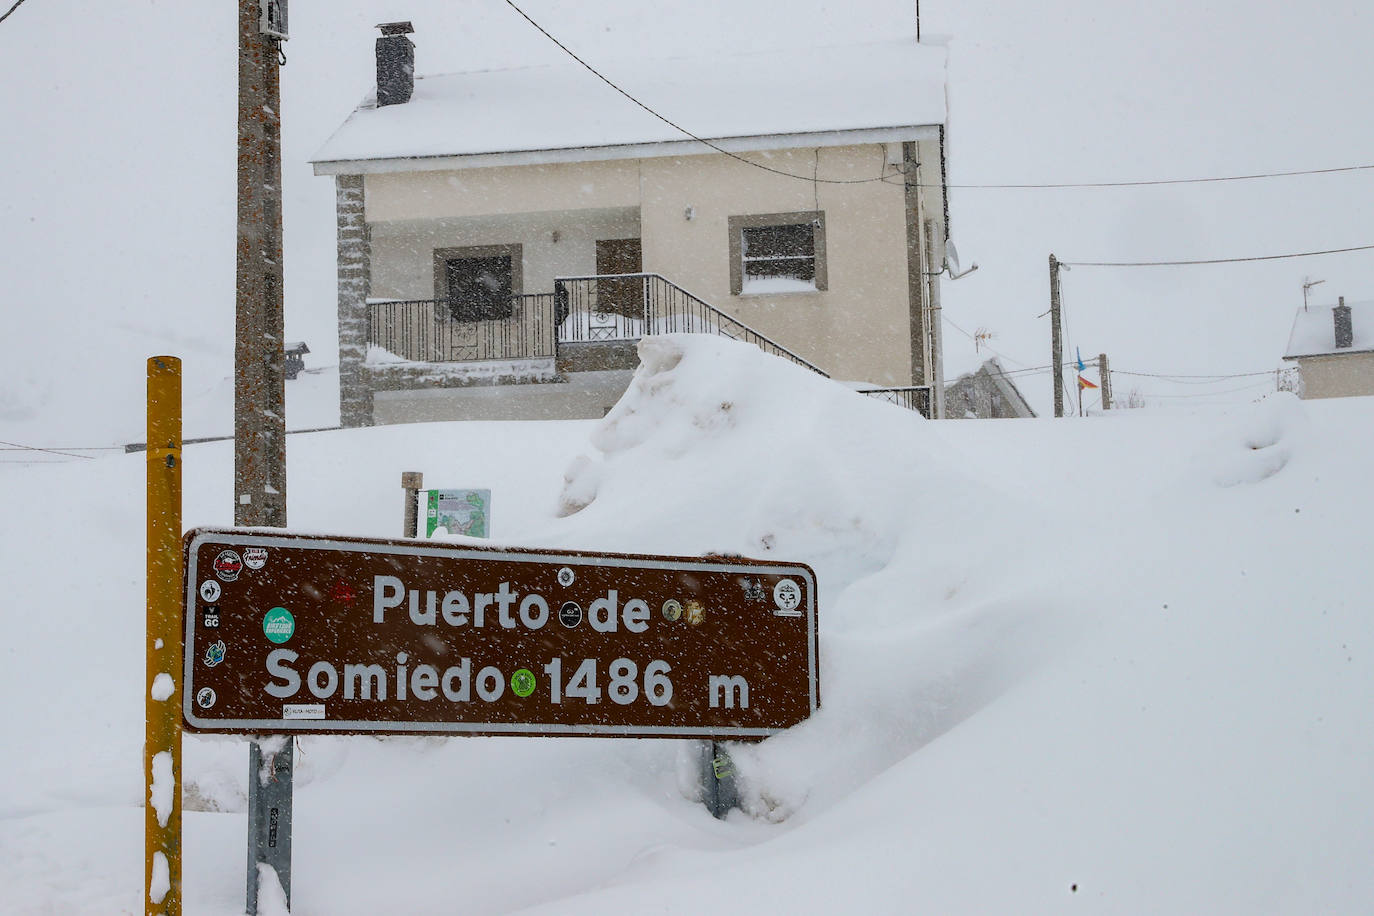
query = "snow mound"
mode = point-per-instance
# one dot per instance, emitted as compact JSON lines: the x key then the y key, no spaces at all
{"x":718,"y":448}
{"x":1258,"y":441}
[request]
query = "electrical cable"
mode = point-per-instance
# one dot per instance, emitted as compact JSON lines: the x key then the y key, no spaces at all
{"x":884,"y":178}
{"x":50,"y":451}
{"x":971,"y":337}
{"x":1179,"y":376}
{"x":17,"y":4}
{"x":674,"y":125}
{"x":1163,"y":181}
{"x":1210,"y":394}
{"x":1267,"y":257}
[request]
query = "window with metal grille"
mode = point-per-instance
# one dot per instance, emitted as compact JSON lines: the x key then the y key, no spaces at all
{"x":479,"y":289}
{"x":777,"y":253}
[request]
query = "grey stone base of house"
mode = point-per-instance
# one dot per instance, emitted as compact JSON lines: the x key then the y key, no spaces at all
{"x":406,"y":375}
{"x":578,"y":396}
{"x":596,"y":356}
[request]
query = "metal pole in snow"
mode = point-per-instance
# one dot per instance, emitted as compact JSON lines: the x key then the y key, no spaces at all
{"x":260,"y":389}
{"x":163,"y":670}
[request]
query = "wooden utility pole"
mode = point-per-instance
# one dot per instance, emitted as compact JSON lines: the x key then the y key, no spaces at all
{"x":412,"y":482}
{"x":1056,"y":341}
{"x":1104,"y":373}
{"x":260,"y":382}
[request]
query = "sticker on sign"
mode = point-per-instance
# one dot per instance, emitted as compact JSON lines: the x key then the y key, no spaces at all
{"x":449,"y":639}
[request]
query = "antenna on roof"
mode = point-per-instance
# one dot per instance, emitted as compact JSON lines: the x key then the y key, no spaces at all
{"x":1306,"y":285}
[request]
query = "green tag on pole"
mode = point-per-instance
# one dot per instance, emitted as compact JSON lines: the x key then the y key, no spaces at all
{"x":466,"y":512}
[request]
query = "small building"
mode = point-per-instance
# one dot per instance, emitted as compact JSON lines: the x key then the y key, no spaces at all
{"x":986,"y":393}
{"x":1333,"y":347}
{"x":506,"y":236}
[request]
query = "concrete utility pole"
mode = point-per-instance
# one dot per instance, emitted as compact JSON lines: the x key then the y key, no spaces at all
{"x":1056,"y":342}
{"x":1104,"y":373}
{"x":260,"y":381}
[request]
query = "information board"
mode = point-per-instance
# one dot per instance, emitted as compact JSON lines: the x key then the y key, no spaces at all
{"x":289,"y":633}
{"x":465,"y":512}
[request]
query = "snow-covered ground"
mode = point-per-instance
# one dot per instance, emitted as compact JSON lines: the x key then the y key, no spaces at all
{"x":1122,"y":664}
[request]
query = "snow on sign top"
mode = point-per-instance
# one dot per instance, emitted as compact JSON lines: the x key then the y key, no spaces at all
{"x":885,"y":86}
{"x":1314,"y":331}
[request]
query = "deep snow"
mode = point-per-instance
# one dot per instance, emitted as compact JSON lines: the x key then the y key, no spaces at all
{"x":1117,"y":663}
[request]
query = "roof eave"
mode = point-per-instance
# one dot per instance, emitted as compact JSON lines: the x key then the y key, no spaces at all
{"x":1348,"y":352}
{"x":370,"y":166}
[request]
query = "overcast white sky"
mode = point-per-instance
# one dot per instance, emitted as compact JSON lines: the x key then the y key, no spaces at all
{"x":116,"y":178}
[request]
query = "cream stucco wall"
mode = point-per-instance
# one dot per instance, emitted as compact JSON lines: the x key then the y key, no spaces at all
{"x":403,"y":251}
{"x":1344,"y":376}
{"x":858,"y":328}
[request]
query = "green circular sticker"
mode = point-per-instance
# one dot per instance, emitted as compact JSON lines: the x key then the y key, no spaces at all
{"x":522,"y":682}
{"x":278,"y":625}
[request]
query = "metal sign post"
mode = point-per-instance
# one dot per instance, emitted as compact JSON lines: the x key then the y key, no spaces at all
{"x":259,"y":348}
{"x":717,"y":771}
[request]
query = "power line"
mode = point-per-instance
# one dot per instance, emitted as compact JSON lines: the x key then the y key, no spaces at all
{"x":1162,"y":181}
{"x":1267,"y":257}
{"x":34,"y":448}
{"x":17,"y":4}
{"x":1182,"y":378}
{"x":674,"y":125}
{"x":884,"y":178}
{"x":1210,"y":394}
{"x":975,"y":341}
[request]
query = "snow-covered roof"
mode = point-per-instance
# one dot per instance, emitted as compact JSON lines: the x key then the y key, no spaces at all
{"x":1314,"y":331}
{"x":883,"y":91}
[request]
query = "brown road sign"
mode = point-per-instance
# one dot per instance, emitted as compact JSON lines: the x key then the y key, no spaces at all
{"x":334,"y":635}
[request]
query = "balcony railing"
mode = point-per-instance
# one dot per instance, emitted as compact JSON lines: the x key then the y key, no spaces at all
{"x":424,"y":331}
{"x":630,"y":306}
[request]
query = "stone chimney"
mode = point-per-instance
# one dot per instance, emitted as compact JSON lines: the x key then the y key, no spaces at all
{"x":395,"y":64}
{"x":1345,"y":329}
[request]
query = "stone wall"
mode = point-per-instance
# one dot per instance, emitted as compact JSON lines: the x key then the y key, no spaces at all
{"x":354,"y":269}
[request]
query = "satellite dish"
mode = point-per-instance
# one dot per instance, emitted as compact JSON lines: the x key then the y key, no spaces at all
{"x":952,"y":262}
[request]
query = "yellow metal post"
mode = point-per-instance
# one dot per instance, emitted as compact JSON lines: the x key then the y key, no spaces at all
{"x":163,"y":674}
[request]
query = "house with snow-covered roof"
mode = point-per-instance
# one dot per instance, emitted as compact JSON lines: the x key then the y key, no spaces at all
{"x":986,"y":393}
{"x":506,"y":236}
{"x":1334,"y":349}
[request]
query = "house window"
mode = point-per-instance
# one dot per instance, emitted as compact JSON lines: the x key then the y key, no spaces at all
{"x":777,"y":253}
{"x":477,"y":284}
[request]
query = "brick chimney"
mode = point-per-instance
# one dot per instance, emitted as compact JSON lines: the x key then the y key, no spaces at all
{"x":1345,"y":329}
{"x":395,"y":63}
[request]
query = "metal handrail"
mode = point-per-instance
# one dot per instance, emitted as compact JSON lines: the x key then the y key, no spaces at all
{"x":656,"y":317}
{"x":912,"y":397}
{"x":421,"y":330}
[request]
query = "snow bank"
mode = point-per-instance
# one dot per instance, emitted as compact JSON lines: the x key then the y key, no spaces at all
{"x":1121,"y":663}
{"x":716,"y":448}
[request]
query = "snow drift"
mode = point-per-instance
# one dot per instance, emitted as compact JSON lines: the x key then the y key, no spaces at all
{"x":1122,"y":663}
